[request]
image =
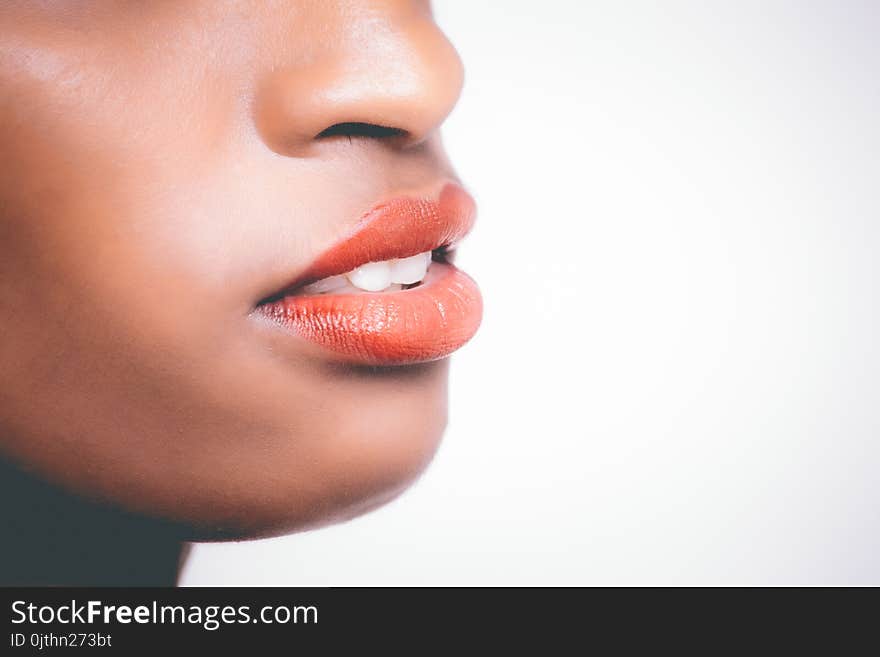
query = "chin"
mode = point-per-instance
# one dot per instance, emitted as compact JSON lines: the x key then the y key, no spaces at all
{"x":358,"y":453}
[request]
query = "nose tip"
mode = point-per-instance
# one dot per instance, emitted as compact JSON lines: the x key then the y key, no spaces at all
{"x":398,"y":84}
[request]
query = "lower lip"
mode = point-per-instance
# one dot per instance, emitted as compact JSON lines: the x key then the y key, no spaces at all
{"x":417,"y":325}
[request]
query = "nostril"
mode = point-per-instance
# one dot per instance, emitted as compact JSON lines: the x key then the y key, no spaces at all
{"x":357,"y":129}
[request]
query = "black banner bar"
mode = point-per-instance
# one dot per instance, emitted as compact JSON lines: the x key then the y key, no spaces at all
{"x":129,"y":621}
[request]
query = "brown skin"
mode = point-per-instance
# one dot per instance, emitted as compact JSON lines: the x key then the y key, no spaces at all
{"x":162,"y":172}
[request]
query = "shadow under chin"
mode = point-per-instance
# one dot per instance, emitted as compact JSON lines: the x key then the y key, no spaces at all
{"x":54,"y":538}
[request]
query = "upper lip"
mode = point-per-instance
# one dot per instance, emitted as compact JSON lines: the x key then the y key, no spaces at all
{"x":398,"y":228}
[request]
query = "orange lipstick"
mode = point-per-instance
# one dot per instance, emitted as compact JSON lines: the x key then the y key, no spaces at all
{"x":423,"y":322}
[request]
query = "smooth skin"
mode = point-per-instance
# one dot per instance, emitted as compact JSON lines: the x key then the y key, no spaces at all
{"x":166,"y":164}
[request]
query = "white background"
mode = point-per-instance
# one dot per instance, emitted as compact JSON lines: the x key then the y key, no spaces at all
{"x":678,"y":377}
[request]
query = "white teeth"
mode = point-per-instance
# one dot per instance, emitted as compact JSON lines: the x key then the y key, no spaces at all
{"x":385,"y":276}
{"x":372,"y":277}
{"x":407,"y":271}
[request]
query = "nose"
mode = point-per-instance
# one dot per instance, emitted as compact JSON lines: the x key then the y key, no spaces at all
{"x":394,"y":78}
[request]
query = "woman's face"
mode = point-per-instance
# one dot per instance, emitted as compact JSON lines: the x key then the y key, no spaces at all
{"x":174,"y":173}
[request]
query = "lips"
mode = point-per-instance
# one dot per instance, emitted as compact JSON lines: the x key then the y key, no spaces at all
{"x":403,"y":324}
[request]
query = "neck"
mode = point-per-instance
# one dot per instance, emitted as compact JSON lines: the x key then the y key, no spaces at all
{"x":52,"y":538}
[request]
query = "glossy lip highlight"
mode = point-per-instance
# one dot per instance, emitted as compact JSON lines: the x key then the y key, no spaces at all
{"x":426,"y":322}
